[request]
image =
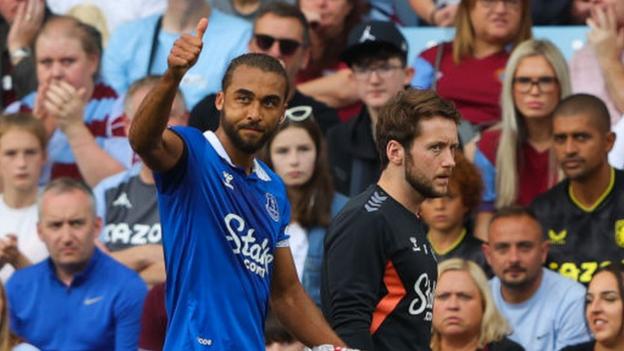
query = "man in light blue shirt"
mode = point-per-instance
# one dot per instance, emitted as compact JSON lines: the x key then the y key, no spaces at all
{"x":79,"y":298}
{"x":140,"y":48}
{"x":544,"y":309}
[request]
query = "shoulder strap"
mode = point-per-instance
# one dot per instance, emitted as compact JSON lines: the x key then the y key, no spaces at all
{"x":154,"y":45}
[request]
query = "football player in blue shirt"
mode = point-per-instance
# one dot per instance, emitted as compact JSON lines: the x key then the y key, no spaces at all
{"x":223,"y":213}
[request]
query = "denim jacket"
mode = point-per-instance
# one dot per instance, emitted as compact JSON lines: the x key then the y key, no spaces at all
{"x":311,"y":279}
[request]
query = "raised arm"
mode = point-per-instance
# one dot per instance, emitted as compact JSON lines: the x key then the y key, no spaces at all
{"x":608,"y":44}
{"x":159,"y":148}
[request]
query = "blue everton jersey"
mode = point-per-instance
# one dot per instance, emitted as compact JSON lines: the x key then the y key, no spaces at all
{"x":220,"y":228}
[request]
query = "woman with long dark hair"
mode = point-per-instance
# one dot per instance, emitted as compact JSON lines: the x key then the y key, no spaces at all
{"x":296,"y":152}
{"x":604,"y":310}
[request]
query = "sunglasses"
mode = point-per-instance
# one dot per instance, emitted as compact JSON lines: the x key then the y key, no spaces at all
{"x":287,"y":47}
{"x":298,"y":113}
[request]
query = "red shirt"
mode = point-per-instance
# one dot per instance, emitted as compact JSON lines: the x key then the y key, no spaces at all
{"x":474,"y":85}
{"x":532,"y":166}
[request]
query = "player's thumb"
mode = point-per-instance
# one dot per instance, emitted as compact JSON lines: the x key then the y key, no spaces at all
{"x":201,"y":27}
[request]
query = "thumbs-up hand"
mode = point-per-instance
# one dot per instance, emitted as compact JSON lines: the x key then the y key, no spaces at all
{"x":186,"y":50}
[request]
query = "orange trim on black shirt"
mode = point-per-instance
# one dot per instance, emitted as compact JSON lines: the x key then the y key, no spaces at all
{"x":396,"y":292}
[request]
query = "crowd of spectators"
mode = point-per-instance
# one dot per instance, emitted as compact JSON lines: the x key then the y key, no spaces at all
{"x":530,"y":235}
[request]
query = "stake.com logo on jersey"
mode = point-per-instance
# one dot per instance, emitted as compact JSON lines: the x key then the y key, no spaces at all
{"x":256,"y":255}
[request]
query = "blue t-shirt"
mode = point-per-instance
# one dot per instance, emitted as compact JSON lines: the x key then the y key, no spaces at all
{"x":220,"y":228}
{"x":100,"y":310}
{"x":128,"y":53}
{"x":551,"y":319}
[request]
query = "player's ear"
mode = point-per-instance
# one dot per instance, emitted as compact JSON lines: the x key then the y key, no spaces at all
{"x":395,"y":152}
{"x":219,"y":101}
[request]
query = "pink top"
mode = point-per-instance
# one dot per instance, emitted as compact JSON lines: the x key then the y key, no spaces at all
{"x":586,"y":76}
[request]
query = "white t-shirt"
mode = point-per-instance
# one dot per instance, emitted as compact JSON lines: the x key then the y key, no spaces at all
{"x":616,"y":156}
{"x":298,"y":242}
{"x":23,"y":223}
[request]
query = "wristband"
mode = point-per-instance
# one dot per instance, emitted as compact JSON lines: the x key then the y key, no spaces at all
{"x":18,"y":54}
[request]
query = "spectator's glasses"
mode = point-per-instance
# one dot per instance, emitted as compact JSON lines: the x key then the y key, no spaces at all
{"x":384,"y":71}
{"x":544,"y":84}
{"x":491,"y":3}
{"x":298,"y":113}
{"x":287,"y":47}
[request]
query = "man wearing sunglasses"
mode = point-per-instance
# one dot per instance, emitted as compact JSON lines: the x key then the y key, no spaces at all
{"x":281,"y":31}
{"x":377,"y":55}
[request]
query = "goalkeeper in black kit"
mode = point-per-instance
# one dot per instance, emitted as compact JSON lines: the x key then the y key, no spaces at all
{"x":379,"y":272}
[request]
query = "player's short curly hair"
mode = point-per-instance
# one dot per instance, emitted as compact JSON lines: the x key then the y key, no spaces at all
{"x":262,"y":62}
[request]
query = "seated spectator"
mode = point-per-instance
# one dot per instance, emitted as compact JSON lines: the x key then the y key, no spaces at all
{"x":598,"y":67}
{"x":584,"y":214}
{"x":281,"y":31}
{"x":544,"y":309}
{"x":464,"y":314}
{"x":468,"y":70}
{"x":116,"y":13}
{"x":325,"y":77}
{"x":377,"y":54}
{"x":245,"y":9}
{"x":277,"y":338}
{"x":604,"y":312}
{"x":153,"y":320}
{"x":22,"y":156}
{"x":20,"y":21}
{"x":8,"y":340}
{"x":82,"y":116}
{"x":448,"y":217}
{"x":78,"y":299}
{"x":515,"y":158}
{"x":126,"y":202}
{"x":331,"y":24}
{"x":140,"y":48}
{"x":296,"y":152}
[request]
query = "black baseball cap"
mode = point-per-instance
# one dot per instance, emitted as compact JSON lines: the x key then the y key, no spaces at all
{"x":370,"y":35}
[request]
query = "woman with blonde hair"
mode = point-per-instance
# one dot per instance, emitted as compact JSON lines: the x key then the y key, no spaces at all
{"x":465,"y":316}
{"x":468,"y":69}
{"x":515,"y":157}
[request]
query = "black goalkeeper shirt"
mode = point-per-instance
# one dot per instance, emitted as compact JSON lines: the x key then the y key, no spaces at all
{"x":582,"y":239}
{"x":379,"y":275}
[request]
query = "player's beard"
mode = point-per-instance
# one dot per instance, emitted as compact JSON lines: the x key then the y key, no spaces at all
{"x":419,"y":182}
{"x":246,"y":146}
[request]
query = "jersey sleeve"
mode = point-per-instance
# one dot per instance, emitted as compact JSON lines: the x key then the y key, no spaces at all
{"x":283,"y":236}
{"x":423,"y":73}
{"x":354,"y":266}
{"x":168,"y":181}
{"x":488,"y":175}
